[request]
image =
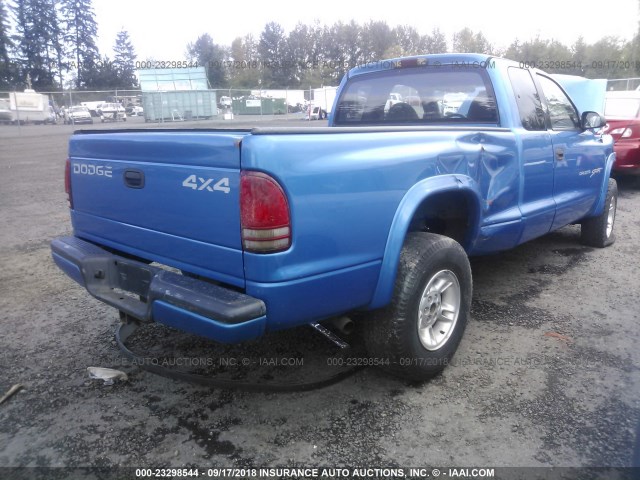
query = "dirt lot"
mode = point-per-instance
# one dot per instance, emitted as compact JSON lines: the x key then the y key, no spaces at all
{"x":546,"y":375}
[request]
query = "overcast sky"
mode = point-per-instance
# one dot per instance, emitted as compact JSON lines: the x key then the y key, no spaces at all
{"x":161,"y":30}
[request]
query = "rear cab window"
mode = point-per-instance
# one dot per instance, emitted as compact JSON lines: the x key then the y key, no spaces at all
{"x":424,"y":95}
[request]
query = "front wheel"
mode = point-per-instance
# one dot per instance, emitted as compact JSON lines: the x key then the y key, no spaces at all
{"x":598,"y":231}
{"x":418,"y":333}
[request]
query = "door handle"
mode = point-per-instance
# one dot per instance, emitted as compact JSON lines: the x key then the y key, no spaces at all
{"x":133,"y":178}
{"x":559,"y":154}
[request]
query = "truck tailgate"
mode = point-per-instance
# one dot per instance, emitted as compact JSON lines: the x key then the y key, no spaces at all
{"x":163,"y":196}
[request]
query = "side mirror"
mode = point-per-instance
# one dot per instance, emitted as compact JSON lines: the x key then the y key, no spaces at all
{"x":592,"y":120}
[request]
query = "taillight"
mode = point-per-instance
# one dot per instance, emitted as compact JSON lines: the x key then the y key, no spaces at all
{"x":264,"y":213}
{"x":67,"y":183}
{"x":623,"y":132}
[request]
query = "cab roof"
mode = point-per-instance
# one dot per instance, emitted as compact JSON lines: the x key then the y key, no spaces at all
{"x":436,"y":59}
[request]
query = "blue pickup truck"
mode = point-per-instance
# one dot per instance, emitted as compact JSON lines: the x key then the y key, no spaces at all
{"x":426,"y":160}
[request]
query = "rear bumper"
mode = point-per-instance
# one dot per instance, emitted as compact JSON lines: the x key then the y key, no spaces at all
{"x":175,"y":300}
{"x":113,"y":116}
{"x":627,"y":156}
{"x":80,"y":120}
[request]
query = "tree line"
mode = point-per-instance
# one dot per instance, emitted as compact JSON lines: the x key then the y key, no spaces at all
{"x":54,"y":42}
{"x":312,"y":55}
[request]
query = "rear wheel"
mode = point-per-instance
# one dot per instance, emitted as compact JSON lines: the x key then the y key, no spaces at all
{"x":418,"y":333}
{"x":598,"y":231}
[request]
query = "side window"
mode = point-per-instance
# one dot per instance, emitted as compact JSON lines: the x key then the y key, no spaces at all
{"x":528,"y":99}
{"x":562,"y":113}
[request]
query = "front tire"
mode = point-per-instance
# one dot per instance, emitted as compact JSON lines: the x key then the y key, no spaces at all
{"x":598,"y":231}
{"x":416,"y":336}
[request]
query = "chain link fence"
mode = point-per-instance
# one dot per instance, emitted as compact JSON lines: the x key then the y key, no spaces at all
{"x":167,"y":106}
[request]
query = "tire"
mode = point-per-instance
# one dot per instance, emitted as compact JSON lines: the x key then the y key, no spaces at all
{"x":598,"y":231}
{"x":434,"y":271}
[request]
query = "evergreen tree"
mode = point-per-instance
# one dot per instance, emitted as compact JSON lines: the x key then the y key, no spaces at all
{"x":466,"y":41}
{"x":124,"y":61}
{"x":212,"y":56}
{"x":81,"y":32}
{"x":6,"y":45}
{"x":36,"y":41}
{"x":103,"y":75}
{"x":343,"y":48}
{"x":300,"y":48}
{"x":272,"y":48}
{"x":434,"y":43}
{"x":377,"y":39}
{"x":597,"y":55}
{"x":408,"y":39}
{"x":631,"y":51}
{"x":244,"y":54}
{"x":56,"y":50}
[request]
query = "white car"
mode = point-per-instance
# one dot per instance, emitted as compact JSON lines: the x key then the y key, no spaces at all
{"x":111,"y":112}
{"x":77,"y":114}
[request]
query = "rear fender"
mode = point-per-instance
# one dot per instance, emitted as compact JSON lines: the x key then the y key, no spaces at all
{"x":415,"y":197}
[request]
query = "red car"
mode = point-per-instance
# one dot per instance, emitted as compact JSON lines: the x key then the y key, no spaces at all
{"x":622,"y":112}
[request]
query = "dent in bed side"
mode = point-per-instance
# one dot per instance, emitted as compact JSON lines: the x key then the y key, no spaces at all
{"x":414,"y":198}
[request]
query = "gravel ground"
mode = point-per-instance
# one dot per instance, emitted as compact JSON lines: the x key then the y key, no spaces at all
{"x":547,"y":373}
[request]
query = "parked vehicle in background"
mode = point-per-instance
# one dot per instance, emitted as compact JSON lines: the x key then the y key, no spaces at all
{"x":5,"y":111}
{"x":111,"y":112}
{"x":622,"y":111}
{"x":225,"y":102}
{"x":30,"y":107}
{"x":78,"y":114}
{"x":316,"y":113}
{"x":134,"y":110}
{"x":321,"y":102}
{"x":93,"y":107}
